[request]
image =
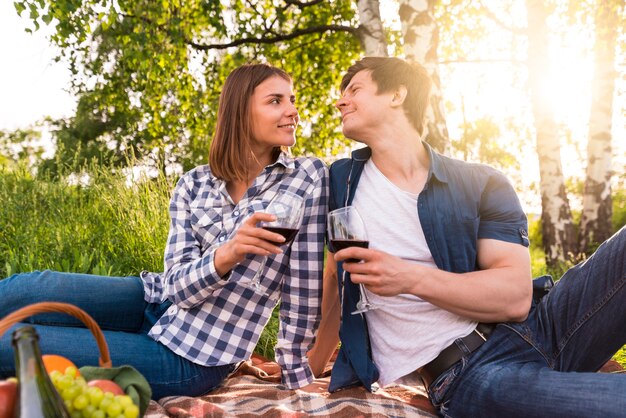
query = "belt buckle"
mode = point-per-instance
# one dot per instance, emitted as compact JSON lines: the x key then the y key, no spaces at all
{"x":480,"y":334}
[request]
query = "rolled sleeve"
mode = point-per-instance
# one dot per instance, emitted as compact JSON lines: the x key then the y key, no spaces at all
{"x":501,"y":214}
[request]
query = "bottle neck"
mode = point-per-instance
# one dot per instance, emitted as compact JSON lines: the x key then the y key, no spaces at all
{"x":38,"y":398}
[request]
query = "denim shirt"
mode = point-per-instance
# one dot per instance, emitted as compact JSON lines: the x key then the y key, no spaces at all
{"x":460,"y":203}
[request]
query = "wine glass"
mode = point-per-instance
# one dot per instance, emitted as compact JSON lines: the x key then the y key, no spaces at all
{"x":288,"y":208}
{"x":347,"y":229}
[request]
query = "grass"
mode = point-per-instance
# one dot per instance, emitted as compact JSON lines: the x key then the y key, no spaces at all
{"x":110,"y":227}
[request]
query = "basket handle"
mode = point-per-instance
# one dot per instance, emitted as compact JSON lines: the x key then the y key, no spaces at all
{"x":41,"y":307}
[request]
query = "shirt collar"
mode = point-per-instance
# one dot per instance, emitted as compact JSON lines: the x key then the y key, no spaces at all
{"x":284,"y":160}
{"x":437,"y":165}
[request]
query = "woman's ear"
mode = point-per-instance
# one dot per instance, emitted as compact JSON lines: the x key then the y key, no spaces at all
{"x":399,"y":95}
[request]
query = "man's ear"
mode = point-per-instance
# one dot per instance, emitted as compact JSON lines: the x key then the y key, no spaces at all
{"x":399,"y":95}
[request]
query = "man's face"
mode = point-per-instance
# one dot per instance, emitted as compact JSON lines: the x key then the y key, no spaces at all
{"x":362,"y":108}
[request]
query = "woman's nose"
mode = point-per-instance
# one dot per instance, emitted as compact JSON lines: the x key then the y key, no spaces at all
{"x":292,"y":111}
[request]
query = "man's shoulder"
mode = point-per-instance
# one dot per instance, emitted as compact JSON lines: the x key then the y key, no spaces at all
{"x":458,"y":170}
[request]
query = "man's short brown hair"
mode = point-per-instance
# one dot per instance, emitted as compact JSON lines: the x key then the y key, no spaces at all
{"x":389,"y":73}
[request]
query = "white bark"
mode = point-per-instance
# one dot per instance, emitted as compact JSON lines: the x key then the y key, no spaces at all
{"x":371,"y":32}
{"x":597,"y":203}
{"x":421,"y":39}
{"x":558,"y":229}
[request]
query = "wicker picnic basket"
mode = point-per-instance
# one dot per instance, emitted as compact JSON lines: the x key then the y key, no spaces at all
{"x":44,"y":307}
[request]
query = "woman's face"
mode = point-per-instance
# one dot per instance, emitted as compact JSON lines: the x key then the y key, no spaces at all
{"x":274,"y":115}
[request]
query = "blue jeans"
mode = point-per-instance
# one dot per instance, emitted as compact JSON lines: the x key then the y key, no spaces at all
{"x":117,"y":305}
{"x":545,"y":366}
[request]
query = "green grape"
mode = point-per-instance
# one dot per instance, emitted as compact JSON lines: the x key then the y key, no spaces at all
{"x":114,"y":409}
{"x":80,"y":381}
{"x":131,"y":411}
{"x":104,"y":404}
{"x":80,"y":402}
{"x":70,"y":392}
{"x":88,"y":411}
{"x":68,"y":405}
{"x":98,"y":414}
{"x":95,"y":395}
{"x":71,"y":371}
{"x":124,"y":400}
{"x":55,"y":375}
{"x":64,"y":382}
{"x":76,"y":414}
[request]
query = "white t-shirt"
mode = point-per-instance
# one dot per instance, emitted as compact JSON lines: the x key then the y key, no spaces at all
{"x":405,"y":331}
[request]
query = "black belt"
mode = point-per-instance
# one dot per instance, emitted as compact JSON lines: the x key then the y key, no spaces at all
{"x":451,"y":354}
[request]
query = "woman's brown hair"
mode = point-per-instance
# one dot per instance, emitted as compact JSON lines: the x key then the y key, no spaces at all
{"x":230,"y":148}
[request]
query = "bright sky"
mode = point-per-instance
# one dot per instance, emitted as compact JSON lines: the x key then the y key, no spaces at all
{"x":32,"y":85}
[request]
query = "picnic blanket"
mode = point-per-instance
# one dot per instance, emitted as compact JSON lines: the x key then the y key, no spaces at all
{"x":252,"y":392}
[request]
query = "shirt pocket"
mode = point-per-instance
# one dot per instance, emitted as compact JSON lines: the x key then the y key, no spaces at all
{"x":206,"y":224}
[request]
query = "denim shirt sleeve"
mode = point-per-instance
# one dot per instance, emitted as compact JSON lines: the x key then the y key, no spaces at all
{"x":501,"y":214}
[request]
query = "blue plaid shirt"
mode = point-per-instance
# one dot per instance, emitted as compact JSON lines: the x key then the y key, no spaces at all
{"x":217,"y":320}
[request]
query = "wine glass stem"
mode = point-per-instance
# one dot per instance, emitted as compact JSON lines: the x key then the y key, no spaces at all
{"x":256,"y":280}
{"x":363,"y":294}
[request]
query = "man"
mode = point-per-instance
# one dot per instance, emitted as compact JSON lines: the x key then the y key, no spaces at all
{"x":448,"y":270}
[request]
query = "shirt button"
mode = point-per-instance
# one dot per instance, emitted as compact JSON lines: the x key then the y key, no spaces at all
{"x":236,"y":213}
{"x":221,"y":238}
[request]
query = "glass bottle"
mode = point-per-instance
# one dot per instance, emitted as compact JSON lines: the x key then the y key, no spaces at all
{"x":37,"y":396}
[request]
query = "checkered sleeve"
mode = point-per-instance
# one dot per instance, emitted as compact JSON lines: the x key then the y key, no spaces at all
{"x":302,"y":287}
{"x":190,"y":275}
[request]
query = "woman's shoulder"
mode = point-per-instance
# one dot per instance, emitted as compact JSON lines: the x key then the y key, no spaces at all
{"x":311,"y":165}
{"x":200,"y":175}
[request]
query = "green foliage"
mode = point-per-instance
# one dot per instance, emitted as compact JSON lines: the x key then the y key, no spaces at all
{"x":148,"y":73}
{"x":20,"y":145}
{"x":479,"y":142}
{"x":619,"y":208}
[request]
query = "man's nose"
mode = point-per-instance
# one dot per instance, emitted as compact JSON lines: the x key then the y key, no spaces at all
{"x":341,"y":102}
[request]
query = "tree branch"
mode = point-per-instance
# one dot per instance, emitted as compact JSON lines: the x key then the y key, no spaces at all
{"x":302,"y":4}
{"x":275,"y":39}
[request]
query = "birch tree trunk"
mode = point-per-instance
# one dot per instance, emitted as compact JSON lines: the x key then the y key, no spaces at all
{"x":371,"y":32}
{"x":559,"y":237}
{"x":595,"y":224}
{"x":421,"y":39}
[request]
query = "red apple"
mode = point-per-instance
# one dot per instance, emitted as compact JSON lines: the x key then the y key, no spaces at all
{"x":8,"y":396}
{"x":107,"y":386}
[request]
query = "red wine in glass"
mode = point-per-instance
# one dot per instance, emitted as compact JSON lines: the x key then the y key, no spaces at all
{"x":340,"y":244}
{"x":288,"y":233}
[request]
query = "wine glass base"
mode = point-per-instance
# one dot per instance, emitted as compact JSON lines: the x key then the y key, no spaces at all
{"x":363,"y":307}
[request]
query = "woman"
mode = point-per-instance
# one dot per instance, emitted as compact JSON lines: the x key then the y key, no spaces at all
{"x":187,"y":329}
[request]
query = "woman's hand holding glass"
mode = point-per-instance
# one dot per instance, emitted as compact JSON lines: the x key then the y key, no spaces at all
{"x":248,"y":239}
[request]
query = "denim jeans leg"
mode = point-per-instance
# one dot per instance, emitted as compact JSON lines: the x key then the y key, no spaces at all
{"x":168,"y":373}
{"x":114,"y":302}
{"x":508,"y":377}
{"x":581,"y":323}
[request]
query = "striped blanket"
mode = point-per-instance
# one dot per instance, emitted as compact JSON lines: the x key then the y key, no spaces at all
{"x":254,"y":393}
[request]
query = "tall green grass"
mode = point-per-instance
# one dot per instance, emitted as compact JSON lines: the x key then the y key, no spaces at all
{"x":107,"y":227}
